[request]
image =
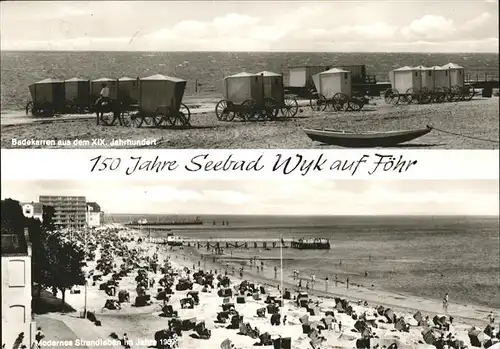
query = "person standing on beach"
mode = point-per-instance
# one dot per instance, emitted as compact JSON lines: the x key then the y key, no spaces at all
{"x":300,"y":285}
{"x":347,"y":282}
{"x":446,"y":301}
{"x":275,"y":272}
{"x":125,"y":341}
{"x":326,"y":284}
{"x":38,"y":337}
{"x":336,"y":281}
{"x":491,"y":318}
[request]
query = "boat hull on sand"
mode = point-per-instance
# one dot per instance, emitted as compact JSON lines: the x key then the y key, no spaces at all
{"x":364,"y":140}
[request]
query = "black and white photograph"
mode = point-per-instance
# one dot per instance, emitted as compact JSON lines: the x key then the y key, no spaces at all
{"x":250,"y":74}
{"x":410,"y":264}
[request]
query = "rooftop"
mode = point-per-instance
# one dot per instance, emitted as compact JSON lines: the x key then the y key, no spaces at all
{"x":95,"y":207}
{"x":77,"y":80}
{"x":49,"y":81}
{"x":126,"y":78}
{"x":335,"y":70}
{"x":240,"y":75}
{"x":37,"y":207}
{"x":452,"y":66}
{"x":162,"y":77}
{"x":268,"y":73}
{"x":103,"y":79}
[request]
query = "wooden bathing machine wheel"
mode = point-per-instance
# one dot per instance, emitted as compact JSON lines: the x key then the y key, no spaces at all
{"x":391,"y":96}
{"x":290,"y":107}
{"x":318,"y":102}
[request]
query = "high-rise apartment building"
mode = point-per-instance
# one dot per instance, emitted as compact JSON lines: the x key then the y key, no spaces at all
{"x":70,"y":211}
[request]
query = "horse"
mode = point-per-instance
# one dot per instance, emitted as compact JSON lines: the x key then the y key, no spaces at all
{"x":104,"y":106}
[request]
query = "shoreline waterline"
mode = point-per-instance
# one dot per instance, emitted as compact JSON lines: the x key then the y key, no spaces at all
{"x":403,"y":272}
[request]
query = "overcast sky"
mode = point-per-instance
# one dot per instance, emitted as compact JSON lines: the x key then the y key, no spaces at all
{"x":341,"y":26}
{"x":306,"y":197}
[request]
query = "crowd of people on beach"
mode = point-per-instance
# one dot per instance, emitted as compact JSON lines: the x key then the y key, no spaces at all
{"x":179,"y":275}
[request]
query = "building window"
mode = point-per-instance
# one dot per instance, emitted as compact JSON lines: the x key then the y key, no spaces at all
{"x":345,"y":76}
{"x":17,"y":273}
{"x":416,"y":73}
{"x":430,"y":73}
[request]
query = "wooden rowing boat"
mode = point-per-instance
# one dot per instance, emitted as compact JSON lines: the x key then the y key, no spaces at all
{"x":365,"y":139}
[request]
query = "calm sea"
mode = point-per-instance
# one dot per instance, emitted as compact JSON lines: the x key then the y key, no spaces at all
{"x":423,"y":256}
{"x":20,"y":69}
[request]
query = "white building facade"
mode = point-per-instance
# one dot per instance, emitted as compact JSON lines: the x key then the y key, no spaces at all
{"x":93,"y":215}
{"x":18,"y":326}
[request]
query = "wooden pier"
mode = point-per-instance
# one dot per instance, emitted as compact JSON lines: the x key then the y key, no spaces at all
{"x":245,"y":243}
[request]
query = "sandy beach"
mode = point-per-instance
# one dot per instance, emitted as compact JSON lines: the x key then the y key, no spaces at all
{"x":141,"y":323}
{"x":459,"y":125}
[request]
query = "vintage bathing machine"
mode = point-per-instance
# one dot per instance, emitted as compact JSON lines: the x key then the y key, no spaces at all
{"x":273,"y":86}
{"x":47,"y":98}
{"x":334,"y":89}
{"x":333,"y":81}
{"x":359,"y":77}
{"x":406,"y":79}
{"x":128,"y":90}
{"x":456,"y":74}
{"x":422,"y":84}
{"x":255,"y":97}
{"x":427,"y":78}
{"x":406,"y":83}
{"x":301,"y":77}
{"x":441,"y":78}
{"x":77,"y":92}
{"x":160,"y":102}
{"x":458,"y":89}
{"x":275,"y":99}
{"x":241,"y":87}
{"x":160,"y":92}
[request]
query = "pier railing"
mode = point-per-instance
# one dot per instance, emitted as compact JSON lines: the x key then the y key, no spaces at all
{"x":223,"y":243}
